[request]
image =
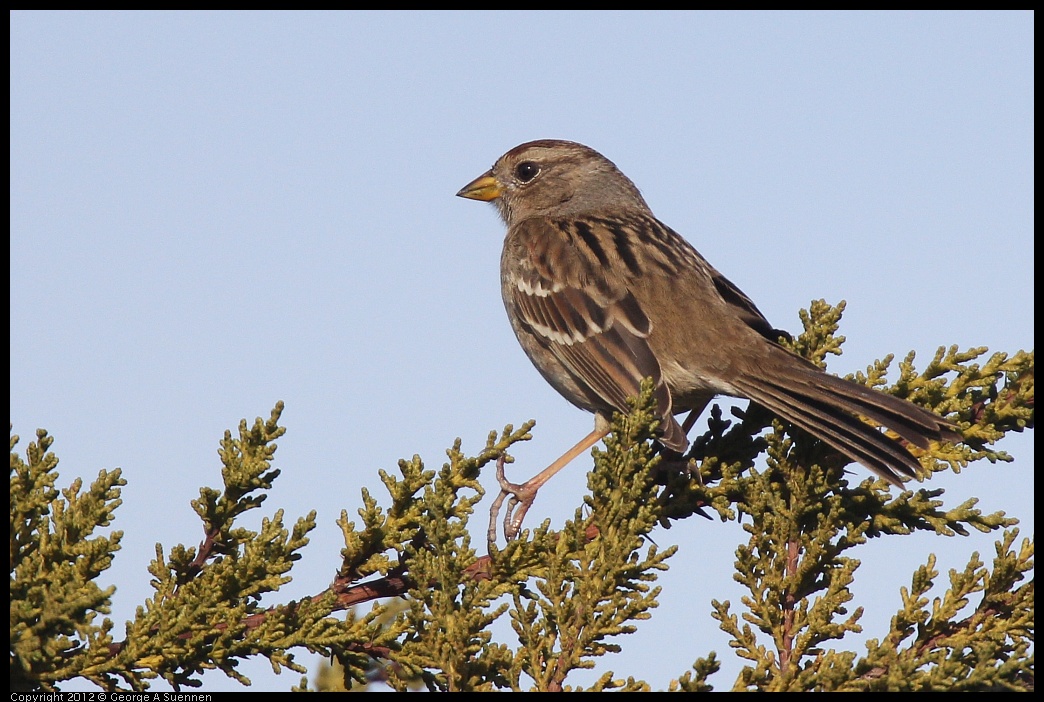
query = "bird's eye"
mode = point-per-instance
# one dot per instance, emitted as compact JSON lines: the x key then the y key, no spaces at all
{"x":526,"y":171}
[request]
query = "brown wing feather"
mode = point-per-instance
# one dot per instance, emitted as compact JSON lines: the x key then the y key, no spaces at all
{"x":595,"y":331}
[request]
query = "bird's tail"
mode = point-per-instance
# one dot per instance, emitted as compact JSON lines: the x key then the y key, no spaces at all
{"x":829,"y":407}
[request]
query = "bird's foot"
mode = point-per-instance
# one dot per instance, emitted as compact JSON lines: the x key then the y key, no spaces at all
{"x":519,"y":500}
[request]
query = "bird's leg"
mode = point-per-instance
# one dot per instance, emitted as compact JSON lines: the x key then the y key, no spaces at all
{"x":694,"y":414}
{"x":522,"y":496}
{"x":690,"y":420}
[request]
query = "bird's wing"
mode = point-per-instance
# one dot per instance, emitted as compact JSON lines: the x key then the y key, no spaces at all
{"x":561,"y":279}
{"x":744,"y":307}
{"x":683,"y":253}
{"x":634,"y":241}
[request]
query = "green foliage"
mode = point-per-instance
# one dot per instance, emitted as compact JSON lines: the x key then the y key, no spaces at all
{"x":803,"y":516}
{"x":568,"y":594}
{"x":569,"y":591}
{"x":936,"y":649}
{"x":205,"y":610}
{"x":55,"y":561}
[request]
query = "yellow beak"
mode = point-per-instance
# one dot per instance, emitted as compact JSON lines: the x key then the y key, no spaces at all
{"x":483,"y":188}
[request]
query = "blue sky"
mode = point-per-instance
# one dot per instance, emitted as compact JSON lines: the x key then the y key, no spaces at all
{"x":211,"y":212}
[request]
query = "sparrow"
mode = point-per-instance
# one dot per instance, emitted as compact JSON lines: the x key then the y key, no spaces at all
{"x":601,"y":295}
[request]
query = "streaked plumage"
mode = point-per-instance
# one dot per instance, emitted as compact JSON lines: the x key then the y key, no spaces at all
{"x":601,"y":294}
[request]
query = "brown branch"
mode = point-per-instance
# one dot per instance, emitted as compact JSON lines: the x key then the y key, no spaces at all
{"x":952,"y":629}
{"x":347,"y":594}
{"x":206,"y":548}
{"x":789,"y":602}
{"x":395,"y":584}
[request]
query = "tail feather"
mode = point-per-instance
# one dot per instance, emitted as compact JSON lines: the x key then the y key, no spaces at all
{"x":915,"y":424}
{"x":851,"y":436}
{"x":672,"y":435}
{"x":829,"y":408}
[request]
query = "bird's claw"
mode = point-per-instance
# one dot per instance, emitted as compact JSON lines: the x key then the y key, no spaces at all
{"x":521,"y":499}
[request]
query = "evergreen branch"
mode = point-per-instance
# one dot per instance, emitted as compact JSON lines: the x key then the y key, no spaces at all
{"x":986,"y":650}
{"x":569,"y":594}
{"x":804,"y":515}
{"x":55,"y":560}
